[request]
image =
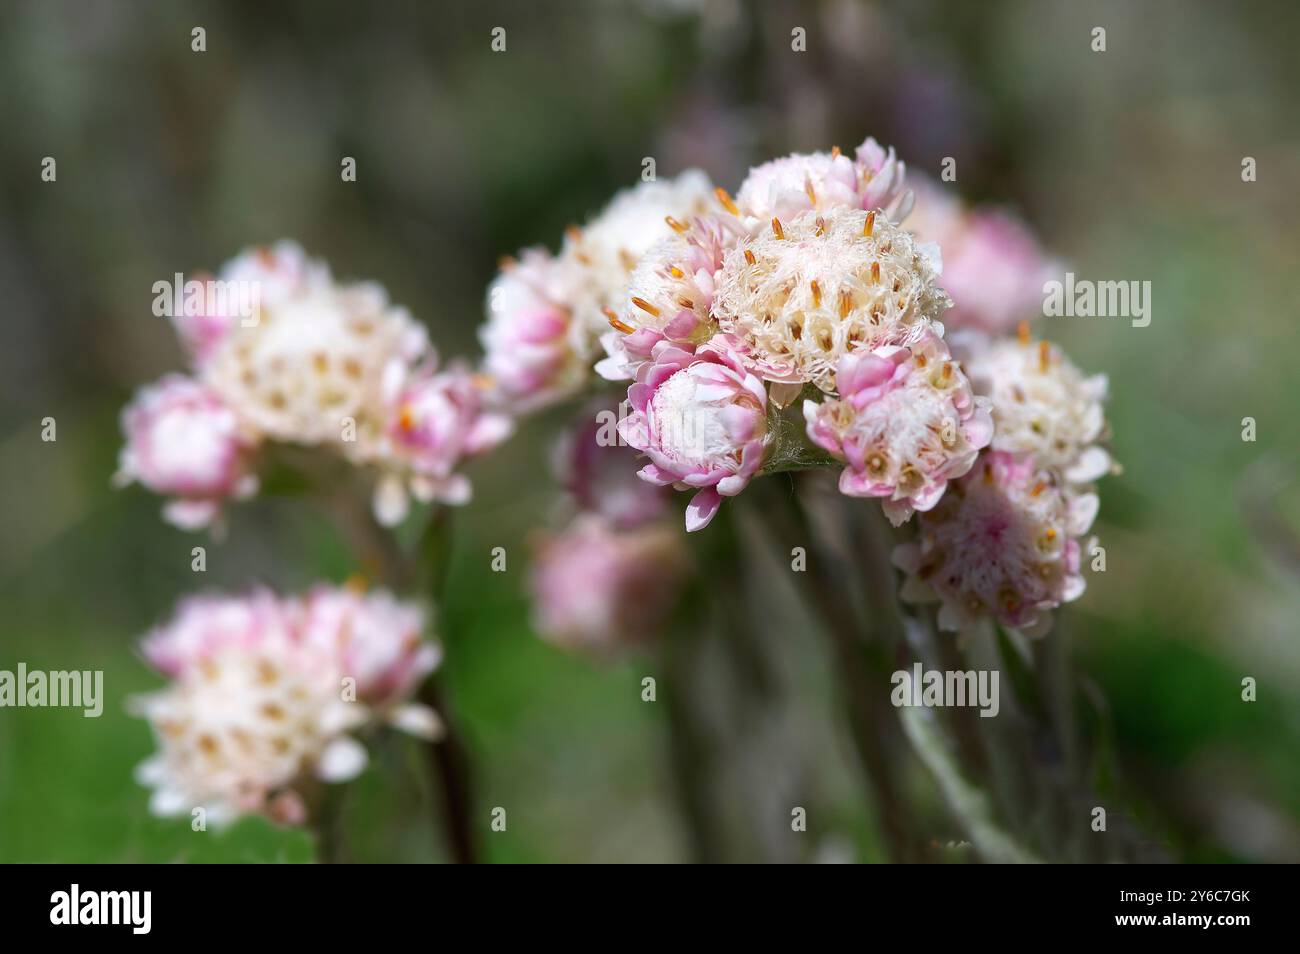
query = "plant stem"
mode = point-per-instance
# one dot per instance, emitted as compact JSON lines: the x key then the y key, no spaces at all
{"x":448,"y":757}
{"x":861,"y":666}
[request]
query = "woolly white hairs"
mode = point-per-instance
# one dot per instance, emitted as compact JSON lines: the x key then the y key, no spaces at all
{"x":800,"y":295}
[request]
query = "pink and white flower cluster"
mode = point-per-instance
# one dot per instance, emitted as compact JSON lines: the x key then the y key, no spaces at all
{"x":315,"y":363}
{"x":809,"y":284}
{"x":266,"y":695}
{"x":806,"y":280}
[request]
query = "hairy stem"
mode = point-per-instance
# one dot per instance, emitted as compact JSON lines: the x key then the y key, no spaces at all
{"x":861,"y":666}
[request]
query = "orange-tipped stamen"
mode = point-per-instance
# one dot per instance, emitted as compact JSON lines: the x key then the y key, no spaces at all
{"x":645,"y":306}
{"x":1044,"y":355}
{"x":1038,"y":489}
{"x":1022,"y":332}
{"x":810,"y":191}
{"x":777,"y":230}
{"x":875,"y":273}
{"x":869,"y":225}
{"x":749,"y":257}
{"x":674,"y":224}
{"x":816,"y":293}
{"x":406,"y":418}
{"x":574,"y":233}
{"x":835,"y":152}
{"x":726,"y":200}
{"x":676,"y":272}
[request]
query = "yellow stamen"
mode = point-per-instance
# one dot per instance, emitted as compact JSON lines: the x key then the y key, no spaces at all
{"x":808,"y":188}
{"x":674,"y":224}
{"x":846,"y":302}
{"x":645,"y":306}
{"x":676,"y":272}
{"x":1022,"y":332}
{"x":726,"y":200}
{"x":617,"y":323}
{"x":1044,"y":355}
{"x":821,"y":226}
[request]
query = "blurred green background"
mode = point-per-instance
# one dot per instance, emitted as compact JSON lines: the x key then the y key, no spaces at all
{"x":1127,"y":162}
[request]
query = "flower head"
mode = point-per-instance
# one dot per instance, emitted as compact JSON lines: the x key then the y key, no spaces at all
{"x":701,"y":418}
{"x":534,"y":350}
{"x":375,"y":639}
{"x":547,"y":314}
{"x":598,"y":587}
{"x":905,"y":423}
{"x":669,"y":296}
{"x":1043,"y":406}
{"x":785,"y":187}
{"x":1002,"y":543}
{"x":799,"y":295}
{"x":184,"y":442}
{"x":435,"y":422}
{"x":266,"y":275}
{"x":258,"y":707}
{"x":607,"y":249}
{"x":318,"y":359}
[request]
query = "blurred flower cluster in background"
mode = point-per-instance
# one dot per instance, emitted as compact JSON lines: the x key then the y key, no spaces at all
{"x":1126,"y":164}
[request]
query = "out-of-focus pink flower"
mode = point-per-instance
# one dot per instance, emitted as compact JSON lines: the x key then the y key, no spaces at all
{"x":257,"y":277}
{"x":785,"y":187}
{"x":993,"y":266}
{"x":437,"y":421}
{"x":532,"y":345}
{"x":700,"y":417}
{"x":261,"y":698}
{"x":905,"y":424}
{"x":206,"y":624}
{"x":183,"y":441}
{"x":1002,"y":543}
{"x":598,"y":469}
{"x":597,"y":587}
{"x":377,"y":640}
